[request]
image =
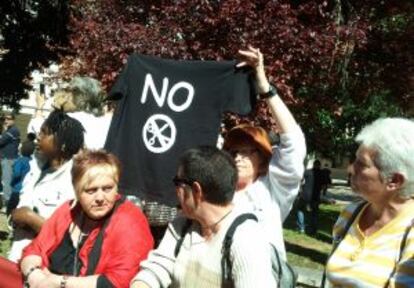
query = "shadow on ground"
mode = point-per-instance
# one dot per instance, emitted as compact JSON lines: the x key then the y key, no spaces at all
{"x":323,"y":237}
{"x":312,"y":254}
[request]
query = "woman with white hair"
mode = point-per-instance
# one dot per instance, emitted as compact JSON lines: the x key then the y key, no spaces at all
{"x":83,"y":100}
{"x":373,"y":239}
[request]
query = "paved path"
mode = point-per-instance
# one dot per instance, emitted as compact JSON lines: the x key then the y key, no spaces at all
{"x":341,"y":192}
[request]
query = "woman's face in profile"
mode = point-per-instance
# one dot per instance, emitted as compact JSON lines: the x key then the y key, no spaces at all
{"x":97,"y":191}
{"x":247,"y":160}
{"x":366,"y":179}
{"x":46,"y":143}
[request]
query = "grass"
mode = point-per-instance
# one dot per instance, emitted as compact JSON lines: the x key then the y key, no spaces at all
{"x":311,"y":251}
{"x":4,"y":245}
{"x":4,"y":240}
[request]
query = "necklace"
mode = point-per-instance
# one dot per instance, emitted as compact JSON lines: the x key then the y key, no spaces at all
{"x":212,"y":226}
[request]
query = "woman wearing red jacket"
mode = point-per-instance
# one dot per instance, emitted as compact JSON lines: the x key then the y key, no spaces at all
{"x":97,"y":240}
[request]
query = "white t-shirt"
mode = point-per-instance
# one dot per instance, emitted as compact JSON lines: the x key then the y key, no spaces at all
{"x":96,"y":128}
{"x":43,"y":197}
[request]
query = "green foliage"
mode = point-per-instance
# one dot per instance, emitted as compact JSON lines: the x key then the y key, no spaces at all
{"x":335,"y":130}
{"x":395,"y":24}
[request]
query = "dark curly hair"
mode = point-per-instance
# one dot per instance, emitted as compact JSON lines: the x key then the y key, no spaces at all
{"x":67,"y":131}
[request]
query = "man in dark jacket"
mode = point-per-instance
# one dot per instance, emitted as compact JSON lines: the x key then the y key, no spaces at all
{"x":9,"y":144}
{"x":310,"y":198}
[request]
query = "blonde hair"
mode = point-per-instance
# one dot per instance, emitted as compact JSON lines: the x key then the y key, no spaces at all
{"x":85,"y":160}
{"x":63,"y":100}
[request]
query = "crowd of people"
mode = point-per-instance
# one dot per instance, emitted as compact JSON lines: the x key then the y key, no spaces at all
{"x":73,"y":228}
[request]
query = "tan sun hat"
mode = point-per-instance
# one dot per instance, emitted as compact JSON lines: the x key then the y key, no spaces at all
{"x":255,"y":135}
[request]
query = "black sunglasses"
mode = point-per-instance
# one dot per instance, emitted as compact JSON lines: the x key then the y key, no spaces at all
{"x":242,"y":151}
{"x":180,"y":181}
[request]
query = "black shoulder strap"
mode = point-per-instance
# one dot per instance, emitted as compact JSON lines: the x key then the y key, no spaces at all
{"x":226,"y":265}
{"x":184,"y":230}
{"x":337,"y":241}
{"x":348,"y":225}
{"x":95,"y":254}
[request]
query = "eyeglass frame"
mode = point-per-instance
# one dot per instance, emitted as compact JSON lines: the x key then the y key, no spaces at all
{"x":243,"y":152}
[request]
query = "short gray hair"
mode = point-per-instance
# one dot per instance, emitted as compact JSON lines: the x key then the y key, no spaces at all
{"x":88,"y":95}
{"x":393,"y":140}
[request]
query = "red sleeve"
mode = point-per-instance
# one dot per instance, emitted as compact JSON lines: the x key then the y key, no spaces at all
{"x":50,"y":235}
{"x":129,"y":242}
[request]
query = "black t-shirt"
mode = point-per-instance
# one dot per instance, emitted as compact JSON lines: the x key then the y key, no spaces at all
{"x":166,"y":107}
{"x":62,"y":260}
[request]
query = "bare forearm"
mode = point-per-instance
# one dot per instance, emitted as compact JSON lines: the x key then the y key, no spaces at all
{"x":29,"y":262}
{"x":281,"y":114}
{"x":280,"y":111}
{"x":24,"y":216}
{"x":38,"y":113}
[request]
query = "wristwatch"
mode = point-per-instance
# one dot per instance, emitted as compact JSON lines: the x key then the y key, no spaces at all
{"x":269,"y":94}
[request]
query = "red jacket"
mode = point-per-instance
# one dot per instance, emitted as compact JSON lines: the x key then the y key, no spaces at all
{"x":127,"y":241}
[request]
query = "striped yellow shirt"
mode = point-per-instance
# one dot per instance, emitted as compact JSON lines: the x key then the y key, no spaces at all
{"x":368,"y":261}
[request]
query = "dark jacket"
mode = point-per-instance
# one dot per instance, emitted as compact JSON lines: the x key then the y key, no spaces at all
{"x":20,"y":168}
{"x":9,"y":143}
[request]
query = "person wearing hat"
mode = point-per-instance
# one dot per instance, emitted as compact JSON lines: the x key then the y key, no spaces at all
{"x":9,"y":145}
{"x":268,"y":177}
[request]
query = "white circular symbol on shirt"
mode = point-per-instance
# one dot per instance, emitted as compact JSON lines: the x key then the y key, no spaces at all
{"x":159,"y":133}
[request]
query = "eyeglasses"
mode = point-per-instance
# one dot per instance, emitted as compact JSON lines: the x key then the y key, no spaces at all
{"x":180,"y":181}
{"x":242,"y":151}
{"x":8,"y":118}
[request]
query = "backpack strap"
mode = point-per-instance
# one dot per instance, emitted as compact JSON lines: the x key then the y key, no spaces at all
{"x":180,"y":241}
{"x":95,"y":253}
{"x":341,"y":237}
{"x":226,"y":264}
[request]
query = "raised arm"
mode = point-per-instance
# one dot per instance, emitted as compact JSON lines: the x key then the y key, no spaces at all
{"x":38,"y":117}
{"x":254,"y":58}
{"x":286,"y":166}
{"x":40,"y":104}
